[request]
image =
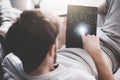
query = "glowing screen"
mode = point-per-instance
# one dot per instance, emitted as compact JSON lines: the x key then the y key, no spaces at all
{"x":80,"y":20}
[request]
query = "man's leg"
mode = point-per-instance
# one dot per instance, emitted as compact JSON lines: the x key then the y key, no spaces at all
{"x":112,"y":23}
{"x":102,"y":11}
{"x":110,"y":32}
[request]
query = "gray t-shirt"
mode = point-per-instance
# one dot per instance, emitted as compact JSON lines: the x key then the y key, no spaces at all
{"x":73,"y":64}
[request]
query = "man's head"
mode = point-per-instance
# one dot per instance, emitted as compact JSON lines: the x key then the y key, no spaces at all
{"x":32,"y":37}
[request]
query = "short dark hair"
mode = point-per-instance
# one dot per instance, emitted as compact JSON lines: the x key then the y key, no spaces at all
{"x":31,"y":36}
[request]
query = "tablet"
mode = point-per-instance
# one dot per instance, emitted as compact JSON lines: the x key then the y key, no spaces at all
{"x":80,"y":20}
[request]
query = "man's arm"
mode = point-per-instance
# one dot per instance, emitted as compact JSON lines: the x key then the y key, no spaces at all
{"x":62,"y":33}
{"x":91,"y":44}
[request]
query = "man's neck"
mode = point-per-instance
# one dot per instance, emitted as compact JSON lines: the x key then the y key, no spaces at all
{"x":43,"y":69}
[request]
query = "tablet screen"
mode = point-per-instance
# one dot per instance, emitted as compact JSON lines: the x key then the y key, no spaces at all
{"x":80,"y":20}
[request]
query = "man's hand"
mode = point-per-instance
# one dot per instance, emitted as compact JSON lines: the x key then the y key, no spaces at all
{"x":91,"y":44}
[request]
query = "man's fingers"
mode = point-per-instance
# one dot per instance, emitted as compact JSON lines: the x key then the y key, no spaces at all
{"x":93,"y":37}
{"x":83,"y":36}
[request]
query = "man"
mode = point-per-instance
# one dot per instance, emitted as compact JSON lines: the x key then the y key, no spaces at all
{"x":33,"y":39}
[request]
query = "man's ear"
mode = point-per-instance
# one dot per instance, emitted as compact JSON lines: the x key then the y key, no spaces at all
{"x":52,"y":50}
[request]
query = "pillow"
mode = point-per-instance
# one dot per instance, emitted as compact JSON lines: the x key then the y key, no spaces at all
{"x":8,"y":15}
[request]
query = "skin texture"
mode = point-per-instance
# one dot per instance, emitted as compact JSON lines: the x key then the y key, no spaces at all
{"x":91,"y":44}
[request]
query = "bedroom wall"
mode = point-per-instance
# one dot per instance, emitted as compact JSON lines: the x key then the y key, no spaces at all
{"x":60,"y":7}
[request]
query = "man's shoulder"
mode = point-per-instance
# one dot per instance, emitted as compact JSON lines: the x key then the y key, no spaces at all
{"x":11,"y":58}
{"x":11,"y":66}
{"x":73,"y":73}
